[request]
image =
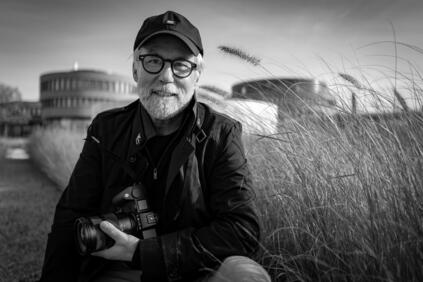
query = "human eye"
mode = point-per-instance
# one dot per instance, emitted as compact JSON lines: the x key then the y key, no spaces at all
{"x":153,"y":60}
{"x":182,"y":65}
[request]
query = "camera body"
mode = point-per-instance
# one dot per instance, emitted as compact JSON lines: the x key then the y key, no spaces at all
{"x":133,"y":215}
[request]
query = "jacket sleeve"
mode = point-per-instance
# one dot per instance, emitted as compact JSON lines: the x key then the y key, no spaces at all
{"x":233,"y":230}
{"x":80,"y":198}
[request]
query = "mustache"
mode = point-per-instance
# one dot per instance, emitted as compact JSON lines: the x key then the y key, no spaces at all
{"x":164,"y":90}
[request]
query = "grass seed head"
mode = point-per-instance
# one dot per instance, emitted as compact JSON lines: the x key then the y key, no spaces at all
{"x":240,"y":54}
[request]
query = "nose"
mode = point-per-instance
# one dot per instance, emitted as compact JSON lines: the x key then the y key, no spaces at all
{"x":166,"y":75}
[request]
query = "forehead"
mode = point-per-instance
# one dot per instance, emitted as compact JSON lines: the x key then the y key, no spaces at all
{"x":167,"y":44}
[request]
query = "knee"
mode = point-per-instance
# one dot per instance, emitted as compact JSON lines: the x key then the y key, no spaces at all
{"x":239,"y":268}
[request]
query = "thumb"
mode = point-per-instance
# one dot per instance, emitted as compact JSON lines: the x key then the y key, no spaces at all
{"x":110,"y":230}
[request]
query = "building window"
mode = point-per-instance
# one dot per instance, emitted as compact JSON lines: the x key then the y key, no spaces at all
{"x":91,"y":84}
{"x":67,"y":84}
{"x":243,"y":90}
{"x":74,"y":84}
{"x":104,"y":86}
{"x":79,"y":84}
{"x":44,"y":86}
{"x":87,"y":84}
{"x":62,"y":84}
{"x":97,"y":85}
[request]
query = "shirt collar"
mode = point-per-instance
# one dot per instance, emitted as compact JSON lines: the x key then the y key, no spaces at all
{"x":143,"y":128}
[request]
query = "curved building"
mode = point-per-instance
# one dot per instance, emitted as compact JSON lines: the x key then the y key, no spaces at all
{"x":257,"y":117}
{"x":78,"y":95}
{"x":293,"y":96}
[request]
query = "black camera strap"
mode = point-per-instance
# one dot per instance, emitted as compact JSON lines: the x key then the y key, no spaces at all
{"x":201,"y":132}
{"x":202,"y":126}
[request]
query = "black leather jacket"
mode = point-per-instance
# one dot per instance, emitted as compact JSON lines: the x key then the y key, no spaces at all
{"x":208,"y":212}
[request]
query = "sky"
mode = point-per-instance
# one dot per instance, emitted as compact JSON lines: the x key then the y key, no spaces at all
{"x":298,"y":38}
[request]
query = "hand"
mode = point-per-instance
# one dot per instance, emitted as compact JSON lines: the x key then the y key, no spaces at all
{"x":124,"y":246}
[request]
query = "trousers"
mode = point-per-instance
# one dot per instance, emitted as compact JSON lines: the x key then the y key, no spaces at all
{"x":232,"y":269}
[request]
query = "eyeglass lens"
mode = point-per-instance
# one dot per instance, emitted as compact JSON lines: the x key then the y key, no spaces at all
{"x":154,"y":64}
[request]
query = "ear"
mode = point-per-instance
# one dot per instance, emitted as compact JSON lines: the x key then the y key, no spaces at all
{"x":134,"y":73}
{"x":198,"y":77}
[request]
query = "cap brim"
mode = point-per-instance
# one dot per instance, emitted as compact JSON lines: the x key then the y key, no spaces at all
{"x":185,"y":39}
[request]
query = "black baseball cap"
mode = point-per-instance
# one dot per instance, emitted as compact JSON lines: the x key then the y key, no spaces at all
{"x":170,"y":23}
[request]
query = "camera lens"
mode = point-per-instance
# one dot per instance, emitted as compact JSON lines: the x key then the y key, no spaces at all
{"x":89,"y":236}
{"x":127,"y":224}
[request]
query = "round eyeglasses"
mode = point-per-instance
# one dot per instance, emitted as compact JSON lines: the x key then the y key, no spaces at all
{"x":154,"y":64}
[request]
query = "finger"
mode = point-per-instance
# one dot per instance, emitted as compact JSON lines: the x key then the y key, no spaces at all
{"x":111,"y":230}
{"x":98,"y":254}
{"x":103,"y":253}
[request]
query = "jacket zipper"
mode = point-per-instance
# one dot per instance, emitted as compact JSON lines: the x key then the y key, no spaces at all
{"x":155,"y":168}
{"x":152,"y":162}
{"x":155,"y":174}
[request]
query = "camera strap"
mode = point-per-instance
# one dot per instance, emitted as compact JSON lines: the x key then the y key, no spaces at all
{"x":200,"y":130}
{"x":199,"y":133}
{"x":202,"y":124}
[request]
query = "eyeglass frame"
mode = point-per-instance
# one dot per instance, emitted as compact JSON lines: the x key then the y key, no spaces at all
{"x":193,"y":65}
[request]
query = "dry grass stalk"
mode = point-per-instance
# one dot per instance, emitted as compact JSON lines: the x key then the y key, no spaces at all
{"x":401,"y":100}
{"x":351,"y":80}
{"x":240,"y":54}
{"x":353,"y":103}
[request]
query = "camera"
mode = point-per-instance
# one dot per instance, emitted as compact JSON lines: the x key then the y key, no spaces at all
{"x":132,"y":216}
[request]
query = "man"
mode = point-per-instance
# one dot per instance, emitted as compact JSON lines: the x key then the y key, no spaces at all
{"x":189,"y":158}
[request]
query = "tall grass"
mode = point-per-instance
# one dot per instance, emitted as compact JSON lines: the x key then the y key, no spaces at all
{"x":340,"y":197}
{"x":55,"y":151}
{"x":342,"y":204}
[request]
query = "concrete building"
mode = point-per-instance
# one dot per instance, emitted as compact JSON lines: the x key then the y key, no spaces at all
{"x":257,"y":117}
{"x":75,"y":97}
{"x":294,"y":97}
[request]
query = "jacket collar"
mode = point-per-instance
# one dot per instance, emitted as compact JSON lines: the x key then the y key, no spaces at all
{"x":143,"y":128}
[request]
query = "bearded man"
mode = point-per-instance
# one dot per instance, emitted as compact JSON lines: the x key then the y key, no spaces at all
{"x":191,"y":164}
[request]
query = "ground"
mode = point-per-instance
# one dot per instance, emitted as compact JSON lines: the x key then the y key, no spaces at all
{"x":27,"y":201}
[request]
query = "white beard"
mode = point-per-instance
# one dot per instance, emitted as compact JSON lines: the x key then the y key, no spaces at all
{"x":163,"y":107}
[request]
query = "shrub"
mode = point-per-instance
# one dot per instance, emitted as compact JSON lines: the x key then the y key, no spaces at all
{"x":55,"y":150}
